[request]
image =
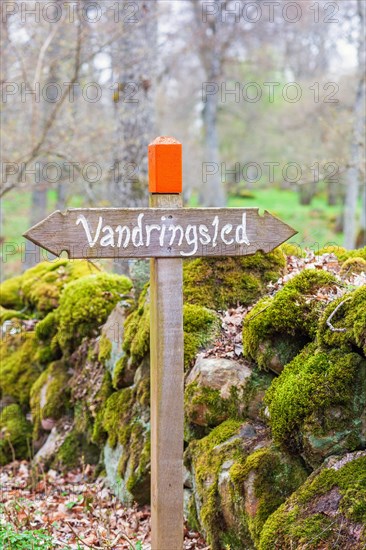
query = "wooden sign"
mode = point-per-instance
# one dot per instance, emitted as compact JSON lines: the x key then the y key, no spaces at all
{"x":159,"y":232}
{"x":166,"y":233}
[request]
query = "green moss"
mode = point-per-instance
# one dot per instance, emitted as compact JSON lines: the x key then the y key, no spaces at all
{"x":20,"y":366}
{"x":217,"y":409}
{"x":117,"y":415}
{"x":99,"y":435}
{"x":76,"y":451}
{"x":291,"y":249}
{"x":350,"y":318}
{"x":123,"y":422}
{"x":15,"y":435}
{"x":8,"y":314}
{"x":118,"y":372}
{"x":192,"y":517}
{"x":276,"y":476}
{"x":138,"y":483}
{"x":85,"y":305}
{"x":10,"y":293}
{"x":47,"y":327}
{"x":50,"y":395}
{"x":42,"y":285}
{"x":39,"y":288}
{"x":310,"y":387}
{"x":353,"y":266}
{"x":137,"y":331}
{"x":207,"y":461}
{"x":105,"y":349}
{"x":277,"y":328}
{"x":293,"y":526}
{"x":218,"y":283}
{"x":200,"y":327}
{"x":46,"y":333}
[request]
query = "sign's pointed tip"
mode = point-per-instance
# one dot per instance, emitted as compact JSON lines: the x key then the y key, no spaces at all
{"x":42,"y":233}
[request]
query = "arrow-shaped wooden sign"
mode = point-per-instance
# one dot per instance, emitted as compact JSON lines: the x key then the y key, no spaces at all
{"x":159,"y":232}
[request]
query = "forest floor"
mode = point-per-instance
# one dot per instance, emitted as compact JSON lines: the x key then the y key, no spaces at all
{"x":70,"y":511}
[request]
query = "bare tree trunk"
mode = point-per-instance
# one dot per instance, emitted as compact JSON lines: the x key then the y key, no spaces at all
{"x":213,"y":193}
{"x":354,"y":170}
{"x":134,"y":63}
{"x":135,"y":73}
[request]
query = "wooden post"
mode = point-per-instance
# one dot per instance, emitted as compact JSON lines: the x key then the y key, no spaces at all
{"x":166,"y":341}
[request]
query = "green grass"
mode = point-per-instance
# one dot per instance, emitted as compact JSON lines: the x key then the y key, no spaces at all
{"x":315,"y":223}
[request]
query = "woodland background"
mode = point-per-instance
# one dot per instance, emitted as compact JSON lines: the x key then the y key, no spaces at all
{"x":268,"y":99}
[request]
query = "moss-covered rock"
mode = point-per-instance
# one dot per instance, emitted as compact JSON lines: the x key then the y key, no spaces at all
{"x":39,"y":288}
{"x":47,"y":327}
{"x":9,"y":314}
{"x":20,"y":365}
{"x":293,"y":249}
{"x":317,"y":406}
{"x":239,"y":479}
{"x":76,"y":450}
{"x":125,"y":420}
{"x":200,"y":326}
{"x":327,"y":511}
{"x":353,"y":266}
{"x":215,"y":391}
{"x":136,"y":343}
{"x":218,"y":283}
{"x":259,"y":483}
{"x":278,"y":327}
{"x":10,"y":293}
{"x":349,"y":322}
{"x":85,"y":305}
{"x":49,"y":397}
{"x":15,"y":435}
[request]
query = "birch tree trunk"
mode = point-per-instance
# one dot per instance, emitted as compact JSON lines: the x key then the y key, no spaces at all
{"x":354,"y":171}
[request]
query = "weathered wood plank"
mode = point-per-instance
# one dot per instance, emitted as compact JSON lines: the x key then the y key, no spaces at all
{"x":164,"y":232}
{"x":167,"y":390}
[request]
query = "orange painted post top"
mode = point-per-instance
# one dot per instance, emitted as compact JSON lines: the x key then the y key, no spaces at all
{"x":165,"y":165}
